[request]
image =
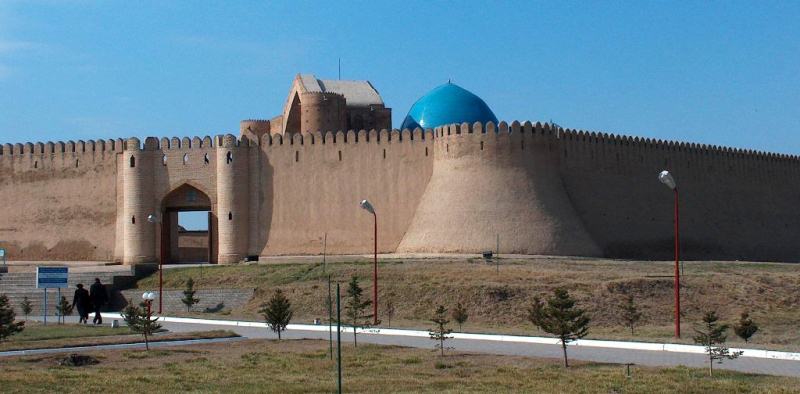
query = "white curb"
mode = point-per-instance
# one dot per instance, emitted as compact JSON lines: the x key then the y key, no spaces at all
{"x":658,"y":347}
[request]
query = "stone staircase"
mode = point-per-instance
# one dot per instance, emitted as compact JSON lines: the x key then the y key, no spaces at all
{"x":18,"y":285}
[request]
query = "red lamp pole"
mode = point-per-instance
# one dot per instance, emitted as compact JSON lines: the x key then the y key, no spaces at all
{"x":369,"y":208}
{"x":162,"y":255}
{"x":666,"y":178}
{"x":375,"y":275}
{"x":677,"y":271}
{"x":161,"y":270}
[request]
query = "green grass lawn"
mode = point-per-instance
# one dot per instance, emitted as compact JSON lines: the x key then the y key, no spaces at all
{"x":37,"y":332}
{"x":303,"y":366}
{"x":497,"y":299}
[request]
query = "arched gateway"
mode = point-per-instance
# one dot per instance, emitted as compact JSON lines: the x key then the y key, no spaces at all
{"x":178,"y":245}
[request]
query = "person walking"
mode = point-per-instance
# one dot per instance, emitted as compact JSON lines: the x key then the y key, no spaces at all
{"x":82,"y":303}
{"x":98,"y":296}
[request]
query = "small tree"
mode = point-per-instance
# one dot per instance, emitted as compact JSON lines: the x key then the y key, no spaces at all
{"x":277,"y":312}
{"x":188,"y":295}
{"x":64,"y":309}
{"x":8,"y":326}
{"x":712,"y":336}
{"x":356,"y":307}
{"x":746,"y":328}
{"x":630,"y":313}
{"x":26,"y":306}
{"x":440,"y":333}
{"x":535,"y":312}
{"x":460,"y":315}
{"x":141,"y":320}
{"x":559,"y":316}
{"x":389,"y":312}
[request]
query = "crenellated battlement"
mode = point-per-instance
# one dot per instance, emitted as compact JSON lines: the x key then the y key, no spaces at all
{"x":50,"y":147}
{"x":524,"y":129}
{"x":587,"y":138}
{"x":348,"y":137}
{"x":667,"y":145}
{"x":319,"y":95}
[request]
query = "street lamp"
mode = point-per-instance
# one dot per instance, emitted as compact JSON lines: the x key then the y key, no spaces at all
{"x":148,"y":297}
{"x":368,"y":207}
{"x":154,"y":219}
{"x":666,"y":178}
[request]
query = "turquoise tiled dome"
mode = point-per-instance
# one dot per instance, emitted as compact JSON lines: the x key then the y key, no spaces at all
{"x":447,"y":104}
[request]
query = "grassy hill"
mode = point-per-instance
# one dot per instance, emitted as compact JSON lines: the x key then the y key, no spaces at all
{"x":497,"y":296}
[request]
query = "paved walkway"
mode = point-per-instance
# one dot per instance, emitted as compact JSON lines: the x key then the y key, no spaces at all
{"x":519,"y":346}
{"x":757,"y":361}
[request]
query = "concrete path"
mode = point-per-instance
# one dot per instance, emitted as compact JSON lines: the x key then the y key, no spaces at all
{"x":597,"y":351}
{"x":756,"y":361}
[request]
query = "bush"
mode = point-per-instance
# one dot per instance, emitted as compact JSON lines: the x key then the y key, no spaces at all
{"x":8,"y":326}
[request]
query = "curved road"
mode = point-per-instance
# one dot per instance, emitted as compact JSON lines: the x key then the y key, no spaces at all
{"x":605,"y":355}
{"x":595,"y":354}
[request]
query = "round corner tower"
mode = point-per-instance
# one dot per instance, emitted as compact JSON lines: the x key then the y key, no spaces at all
{"x":322,"y":112}
{"x":253,"y":129}
{"x":137,"y":185}
{"x":232,"y":199}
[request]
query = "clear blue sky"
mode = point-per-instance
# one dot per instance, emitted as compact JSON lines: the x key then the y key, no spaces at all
{"x":712,"y":72}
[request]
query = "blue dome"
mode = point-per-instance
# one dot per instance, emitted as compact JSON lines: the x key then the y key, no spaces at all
{"x":447,"y":104}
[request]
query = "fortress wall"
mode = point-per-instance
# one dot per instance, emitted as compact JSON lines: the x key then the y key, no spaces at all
{"x":453,"y":189}
{"x":313,"y":184}
{"x":490,"y":181}
{"x":58,"y":200}
{"x":255,"y":197}
{"x":735,"y":204}
{"x":185,"y":161}
{"x":180,"y":161}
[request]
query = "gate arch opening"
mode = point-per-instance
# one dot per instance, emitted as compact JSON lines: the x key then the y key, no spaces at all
{"x":177,"y":244}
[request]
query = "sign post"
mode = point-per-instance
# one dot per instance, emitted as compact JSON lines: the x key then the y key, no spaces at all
{"x":51,"y":278}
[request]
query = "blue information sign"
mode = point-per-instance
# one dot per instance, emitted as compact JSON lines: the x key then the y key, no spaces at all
{"x":52,"y":277}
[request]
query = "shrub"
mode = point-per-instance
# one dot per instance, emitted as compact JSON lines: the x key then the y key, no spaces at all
{"x":560,"y":317}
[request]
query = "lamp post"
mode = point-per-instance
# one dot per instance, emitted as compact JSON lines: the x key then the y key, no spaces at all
{"x":154,"y":219}
{"x":666,"y":178}
{"x":148,"y":297}
{"x":368,"y":207}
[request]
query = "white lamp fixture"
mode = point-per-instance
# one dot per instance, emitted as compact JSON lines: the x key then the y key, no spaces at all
{"x":152,"y":218}
{"x":367,"y":206}
{"x":149,"y":295}
{"x":666,"y":178}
